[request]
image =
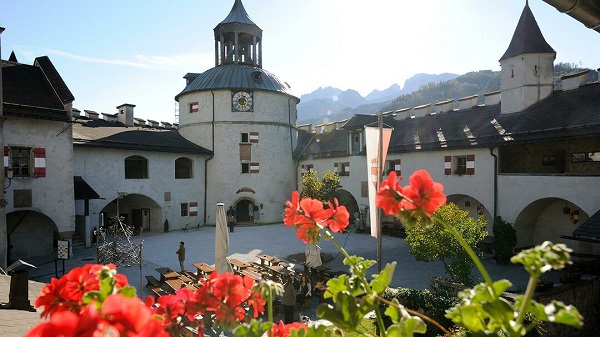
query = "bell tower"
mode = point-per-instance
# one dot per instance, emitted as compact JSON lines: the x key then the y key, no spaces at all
{"x":527,"y":66}
{"x":238,"y":40}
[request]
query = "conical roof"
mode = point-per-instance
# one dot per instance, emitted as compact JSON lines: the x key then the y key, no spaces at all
{"x":238,"y":14}
{"x":528,"y":38}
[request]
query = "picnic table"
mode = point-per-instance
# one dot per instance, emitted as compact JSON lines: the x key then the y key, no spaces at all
{"x":267,"y":259}
{"x":253,"y":275}
{"x":204,"y":269}
{"x":238,"y":265}
{"x":166,"y":273}
{"x":176,"y":284}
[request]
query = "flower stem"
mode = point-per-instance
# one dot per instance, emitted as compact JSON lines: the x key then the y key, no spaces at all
{"x":531,"y":285}
{"x":468,"y":249}
{"x":416,"y":313}
{"x":368,"y":289}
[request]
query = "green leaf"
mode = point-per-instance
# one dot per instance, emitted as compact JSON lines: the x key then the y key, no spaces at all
{"x":558,"y":312}
{"x":255,"y":328}
{"x":128,"y":291}
{"x":346,"y":315}
{"x":382,"y":280}
{"x":404,"y":323}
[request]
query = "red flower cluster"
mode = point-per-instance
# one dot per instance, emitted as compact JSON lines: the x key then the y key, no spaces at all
{"x":421,"y":197}
{"x":308,"y":216}
{"x":92,"y":301}
{"x":284,"y":330}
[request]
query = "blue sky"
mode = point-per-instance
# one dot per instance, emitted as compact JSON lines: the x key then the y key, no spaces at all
{"x":137,"y":51}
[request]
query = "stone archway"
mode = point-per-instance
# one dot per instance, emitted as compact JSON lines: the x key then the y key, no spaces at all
{"x":475,"y":208}
{"x":245,"y":210}
{"x":546,"y":220}
{"x":30,"y":234}
{"x":138,"y":211}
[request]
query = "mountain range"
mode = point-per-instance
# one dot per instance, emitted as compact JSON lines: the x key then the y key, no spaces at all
{"x":328,"y":104}
{"x":327,"y":100}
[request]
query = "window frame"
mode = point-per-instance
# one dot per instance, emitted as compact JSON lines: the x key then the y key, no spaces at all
{"x":184,"y":209}
{"x":180,"y":166}
{"x":17,"y":171}
{"x":131,"y":172}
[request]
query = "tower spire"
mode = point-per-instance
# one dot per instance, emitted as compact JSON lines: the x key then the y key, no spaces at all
{"x":527,"y":38}
{"x":238,"y":39}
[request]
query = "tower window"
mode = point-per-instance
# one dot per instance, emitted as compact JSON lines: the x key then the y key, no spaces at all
{"x":244,"y":137}
{"x":245,"y":168}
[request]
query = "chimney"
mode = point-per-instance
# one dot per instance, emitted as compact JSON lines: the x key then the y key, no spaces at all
{"x":139,"y":122}
{"x":109,"y":117}
{"x":422,"y":110}
{"x":492,"y":98}
{"x":400,"y":113}
{"x":126,"y":114}
{"x":91,"y":114}
{"x":153,"y":123}
{"x":167,"y":125}
{"x":574,"y":81}
{"x":444,"y":106}
{"x":76,"y":113}
{"x":467,"y":102}
{"x":175,"y":126}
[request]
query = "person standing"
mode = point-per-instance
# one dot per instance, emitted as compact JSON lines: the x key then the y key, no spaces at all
{"x":181,"y":255}
{"x":312,"y":255}
{"x":231,"y":218}
{"x":288,"y":300}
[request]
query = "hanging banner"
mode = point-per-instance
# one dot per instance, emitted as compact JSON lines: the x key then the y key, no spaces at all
{"x":372,"y":145}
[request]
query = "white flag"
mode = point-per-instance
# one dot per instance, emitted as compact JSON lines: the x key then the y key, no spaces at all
{"x":372,"y":145}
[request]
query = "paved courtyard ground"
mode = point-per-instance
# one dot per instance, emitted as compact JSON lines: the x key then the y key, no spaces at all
{"x":277,"y":240}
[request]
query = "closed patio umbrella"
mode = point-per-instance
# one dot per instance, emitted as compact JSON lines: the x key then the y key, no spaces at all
{"x":221,"y":241}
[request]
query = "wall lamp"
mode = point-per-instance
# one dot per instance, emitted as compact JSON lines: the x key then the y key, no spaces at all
{"x":9,"y":176}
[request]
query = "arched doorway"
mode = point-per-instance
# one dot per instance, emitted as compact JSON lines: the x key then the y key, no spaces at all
{"x":30,"y":234}
{"x":137,"y":210}
{"x":547,"y":219}
{"x":475,"y":208}
{"x":245,"y":210}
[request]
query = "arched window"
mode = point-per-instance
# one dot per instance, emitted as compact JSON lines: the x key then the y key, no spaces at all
{"x":136,"y":167}
{"x":183,"y":168}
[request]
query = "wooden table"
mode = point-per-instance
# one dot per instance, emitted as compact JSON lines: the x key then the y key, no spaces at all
{"x":203,"y":269}
{"x":238,"y":265}
{"x":176,"y":284}
{"x":266,"y":259}
{"x":166,"y":273}
{"x":253,"y":275}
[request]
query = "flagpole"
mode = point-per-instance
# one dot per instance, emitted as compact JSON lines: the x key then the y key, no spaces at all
{"x":377,"y":186}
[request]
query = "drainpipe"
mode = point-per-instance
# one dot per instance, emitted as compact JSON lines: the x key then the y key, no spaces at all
{"x":3,"y":233}
{"x":495,"y":182}
{"x":209,"y":158}
{"x":292,"y":141}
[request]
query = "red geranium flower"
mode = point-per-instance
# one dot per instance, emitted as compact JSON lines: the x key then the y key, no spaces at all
{"x":338,"y":217}
{"x":389,"y":196}
{"x":292,"y":209}
{"x":284,"y":330}
{"x":62,"y":323}
{"x":423,"y":193}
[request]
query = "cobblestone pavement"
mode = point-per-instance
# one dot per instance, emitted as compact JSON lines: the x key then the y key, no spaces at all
{"x":245,"y":243}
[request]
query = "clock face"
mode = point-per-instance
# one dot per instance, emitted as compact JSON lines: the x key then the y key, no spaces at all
{"x":241,"y":101}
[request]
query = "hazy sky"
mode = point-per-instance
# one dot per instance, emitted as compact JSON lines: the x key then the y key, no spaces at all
{"x":137,"y":51}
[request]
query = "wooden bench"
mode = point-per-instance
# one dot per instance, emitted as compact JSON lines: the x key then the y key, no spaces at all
{"x":152,"y":281}
{"x":191,"y":276}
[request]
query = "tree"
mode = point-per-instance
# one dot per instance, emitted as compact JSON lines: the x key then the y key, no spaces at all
{"x":505,"y":240}
{"x":428,"y":243}
{"x":323,"y":189}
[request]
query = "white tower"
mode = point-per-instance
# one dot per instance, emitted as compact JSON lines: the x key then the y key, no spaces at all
{"x":247,"y":117}
{"x":527,"y":66}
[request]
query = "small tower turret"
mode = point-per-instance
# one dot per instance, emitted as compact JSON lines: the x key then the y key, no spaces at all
{"x":238,"y":39}
{"x":527,"y":66}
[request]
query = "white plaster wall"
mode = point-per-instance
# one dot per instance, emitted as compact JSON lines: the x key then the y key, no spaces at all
{"x":104,"y":170}
{"x":527,"y":86}
{"x":515,"y":192}
{"x":273,"y":117}
{"x":51,"y":195}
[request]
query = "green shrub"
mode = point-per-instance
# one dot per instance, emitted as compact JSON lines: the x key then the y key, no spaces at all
{"x":432,"y":305}
{"x":505,"y":240}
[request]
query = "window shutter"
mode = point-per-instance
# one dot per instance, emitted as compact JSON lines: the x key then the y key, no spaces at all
{"x":447,"y":165}
{"x":471,"y":164}
{"x":254,"y":168}
{"x":194,"y":107}
{"x":398,"y":167}
{"x":253,"y":137}
{"x":347,"y":169}
{"x":39,"y":167}
{"x":6,"y":160}
{"x":193,"y":211}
